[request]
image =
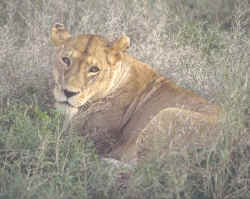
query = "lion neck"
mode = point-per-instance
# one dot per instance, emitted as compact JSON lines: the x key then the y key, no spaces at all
{"x":130,"y":80}
{"x":133,"y":82}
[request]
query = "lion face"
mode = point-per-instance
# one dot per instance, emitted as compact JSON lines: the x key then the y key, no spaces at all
{"x":86,"y":68}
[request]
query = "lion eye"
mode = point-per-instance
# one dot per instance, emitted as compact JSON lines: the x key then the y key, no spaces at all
{"x":66,"y":60}
{"x":94,"y":69}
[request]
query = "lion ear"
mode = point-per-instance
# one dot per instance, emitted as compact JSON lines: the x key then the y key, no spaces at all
{"x":59,"y":34}
{"x":121,"y":44}
{"x":117,"y":48}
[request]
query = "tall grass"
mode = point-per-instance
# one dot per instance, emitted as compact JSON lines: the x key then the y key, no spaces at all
{"x":200,"y":44}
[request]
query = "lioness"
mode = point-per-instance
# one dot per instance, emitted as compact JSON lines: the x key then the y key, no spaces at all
{"x":122,"y":104}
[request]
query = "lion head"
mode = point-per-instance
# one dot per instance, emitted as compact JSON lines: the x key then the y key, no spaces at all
{"x":87,"y":67}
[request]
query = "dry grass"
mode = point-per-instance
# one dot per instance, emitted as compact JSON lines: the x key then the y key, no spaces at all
{"x":201,"y":45}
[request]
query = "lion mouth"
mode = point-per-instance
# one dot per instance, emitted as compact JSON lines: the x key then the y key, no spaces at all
{"x":83,"y":107}
{"x":67,"y":104}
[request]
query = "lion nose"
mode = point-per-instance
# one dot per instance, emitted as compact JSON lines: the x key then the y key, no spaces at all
{"x":69,"y":93}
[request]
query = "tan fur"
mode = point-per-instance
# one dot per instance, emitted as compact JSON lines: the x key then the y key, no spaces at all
{"x":125,"y":107}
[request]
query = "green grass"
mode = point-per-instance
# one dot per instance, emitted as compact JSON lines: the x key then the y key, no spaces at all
{"x":202,"y":45}
{"x":38,"y":161}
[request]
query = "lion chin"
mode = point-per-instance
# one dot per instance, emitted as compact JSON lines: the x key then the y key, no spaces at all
{"x":129,"y":110}
{"x":65,"y":108}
